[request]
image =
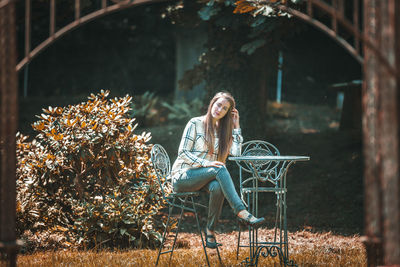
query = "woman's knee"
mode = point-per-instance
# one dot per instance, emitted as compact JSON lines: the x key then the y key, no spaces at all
{"x":213,"y":170}
{"x":222,"y":170}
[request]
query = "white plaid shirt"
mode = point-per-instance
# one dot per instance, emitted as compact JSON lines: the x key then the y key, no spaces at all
{"x":193,"y":151}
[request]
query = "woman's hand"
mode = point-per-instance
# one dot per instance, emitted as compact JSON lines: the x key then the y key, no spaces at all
{"x":235,"y":118}
{"x":216,"y":164}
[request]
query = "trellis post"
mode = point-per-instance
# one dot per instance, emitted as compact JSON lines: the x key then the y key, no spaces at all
{"x":8,"y":126}
{"x":381,"y":99}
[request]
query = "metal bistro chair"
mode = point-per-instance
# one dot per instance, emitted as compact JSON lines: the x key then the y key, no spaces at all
{"x":183,"y":201}
{"x":249,"y":186}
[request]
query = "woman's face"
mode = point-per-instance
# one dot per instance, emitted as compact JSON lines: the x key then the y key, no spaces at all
{"x":220,"y":108}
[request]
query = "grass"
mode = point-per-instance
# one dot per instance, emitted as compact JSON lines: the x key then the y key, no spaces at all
{"x":306,"y":249}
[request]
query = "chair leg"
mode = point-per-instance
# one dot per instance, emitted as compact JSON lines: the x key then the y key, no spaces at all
{"x":176,"y":232}
{"x":199,"y":229}
{"x":277,"y":217}
{"x":219,"y":256}
{"x":238,"y":243}
{"x":165,"y":232}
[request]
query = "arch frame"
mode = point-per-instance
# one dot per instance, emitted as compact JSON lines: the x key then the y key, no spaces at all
{"x":78,"y":21}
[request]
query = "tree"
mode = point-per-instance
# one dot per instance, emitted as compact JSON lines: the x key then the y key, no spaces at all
{"x":240,"y":54}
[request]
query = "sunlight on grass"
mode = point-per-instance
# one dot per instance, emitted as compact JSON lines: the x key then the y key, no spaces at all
{"x":186,"y":257}
{"x":306,"y":249}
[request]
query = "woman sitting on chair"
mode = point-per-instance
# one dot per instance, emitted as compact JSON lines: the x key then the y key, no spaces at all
{"x":204,"y":147}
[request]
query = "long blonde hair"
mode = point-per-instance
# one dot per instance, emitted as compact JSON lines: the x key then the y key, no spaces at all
{"x":224,"y":129}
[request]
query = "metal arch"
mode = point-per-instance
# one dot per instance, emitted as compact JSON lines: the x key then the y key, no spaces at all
{"x":335,"y":10}
{"x":3,"y":3}
{"x":336,"y":13}
{"x":78,"y":21}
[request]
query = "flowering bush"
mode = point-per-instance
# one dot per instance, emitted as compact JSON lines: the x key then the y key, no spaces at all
{"x":88,"y":176}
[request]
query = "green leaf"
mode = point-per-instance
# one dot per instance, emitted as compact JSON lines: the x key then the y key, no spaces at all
{"x":249,"y":48}
{"x":230,"y":2}
{"x":263,"y":28}
{"x":122,"y":231}
{"x":208,"y":11}
{"x":126,"y":221}
{"x":210,"y":3}
{"x":258,"y":21}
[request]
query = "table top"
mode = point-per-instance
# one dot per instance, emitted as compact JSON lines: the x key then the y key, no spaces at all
{"x":270,"y":158}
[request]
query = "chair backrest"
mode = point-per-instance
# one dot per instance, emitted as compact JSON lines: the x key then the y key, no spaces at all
{"x":162,"y":167}
{"x":268,"y":169}
{"x":259,"y":148}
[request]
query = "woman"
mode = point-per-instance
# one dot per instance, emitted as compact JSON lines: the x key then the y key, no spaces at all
{"x":204,"y":147}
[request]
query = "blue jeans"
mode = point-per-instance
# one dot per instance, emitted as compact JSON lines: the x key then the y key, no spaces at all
{"x":218,"y":182}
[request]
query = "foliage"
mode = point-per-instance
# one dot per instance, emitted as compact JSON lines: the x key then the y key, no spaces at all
{"x":182,"y":111}
{"x":267,"y":8}
{"x":88,"y":176}
{"x":151,"y":110}
{"x":257,"y":24}
{"x":145,"y":109}
{"x":240,"y":57}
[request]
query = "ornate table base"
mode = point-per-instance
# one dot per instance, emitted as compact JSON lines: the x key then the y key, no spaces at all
{"x":268,"y":251}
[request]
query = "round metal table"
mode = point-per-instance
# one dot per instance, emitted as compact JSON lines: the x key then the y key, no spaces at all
{"x":271,"y":170}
